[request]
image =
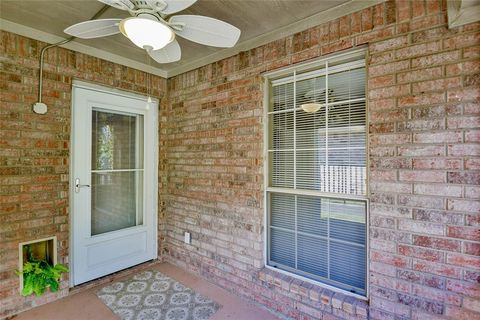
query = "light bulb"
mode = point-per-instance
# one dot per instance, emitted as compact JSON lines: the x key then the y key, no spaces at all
{"x":146,"y":32}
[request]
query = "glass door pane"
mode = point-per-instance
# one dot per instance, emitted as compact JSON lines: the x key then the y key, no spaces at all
{"x":117,"y":171}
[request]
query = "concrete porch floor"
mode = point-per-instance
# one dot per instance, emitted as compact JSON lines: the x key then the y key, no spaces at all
{"x":86,"y":305}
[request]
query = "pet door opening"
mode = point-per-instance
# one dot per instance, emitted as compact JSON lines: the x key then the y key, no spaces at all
{"x":43,"y":249}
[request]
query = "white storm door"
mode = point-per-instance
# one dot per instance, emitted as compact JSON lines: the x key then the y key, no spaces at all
{"x":113,"y":182}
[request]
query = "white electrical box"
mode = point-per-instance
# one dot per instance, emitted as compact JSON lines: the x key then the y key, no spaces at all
{"x":187,"y":237}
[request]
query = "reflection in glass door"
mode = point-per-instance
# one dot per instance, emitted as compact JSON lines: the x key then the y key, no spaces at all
{"x":117,"y":171}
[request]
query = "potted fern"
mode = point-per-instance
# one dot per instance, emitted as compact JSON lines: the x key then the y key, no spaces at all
{"x":38,"y":275}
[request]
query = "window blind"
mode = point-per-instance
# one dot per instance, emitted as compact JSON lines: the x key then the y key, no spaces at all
{"x":325,"y":150}
{"x":314,"y":158}
{"x":320,"y":238}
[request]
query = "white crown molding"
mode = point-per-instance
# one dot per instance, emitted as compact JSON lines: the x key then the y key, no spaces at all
{"x":285,"y":31}
{"x":461,"y":12}
{"x":298,"y":26}
{"x":79,"y":47}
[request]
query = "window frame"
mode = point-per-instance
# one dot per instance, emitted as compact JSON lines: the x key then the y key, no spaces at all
{"x":277,"y":75}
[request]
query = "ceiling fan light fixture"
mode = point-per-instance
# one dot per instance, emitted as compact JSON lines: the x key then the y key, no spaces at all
{"x":311,"y":107}
{"x":147,"y":33}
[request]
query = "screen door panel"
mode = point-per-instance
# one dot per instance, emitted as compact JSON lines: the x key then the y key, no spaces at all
{"x":117,"y":171}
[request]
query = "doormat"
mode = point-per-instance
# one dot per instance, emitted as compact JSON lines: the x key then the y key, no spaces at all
{"x":151,"y":295}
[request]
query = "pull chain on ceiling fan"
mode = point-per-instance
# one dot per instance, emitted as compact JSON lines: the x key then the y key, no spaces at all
{"x":151,"y":29}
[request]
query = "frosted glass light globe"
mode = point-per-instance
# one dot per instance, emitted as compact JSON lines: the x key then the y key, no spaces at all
{"x":147,"y":33}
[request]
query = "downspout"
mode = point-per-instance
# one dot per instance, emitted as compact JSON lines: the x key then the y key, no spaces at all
{"x":40,"y":107}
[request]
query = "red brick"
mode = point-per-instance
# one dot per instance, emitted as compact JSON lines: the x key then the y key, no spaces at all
{"x":462,"y":40}
{"x":472,"y":164}
{"x":383,"y":175}
{"x":344,"y":26}
{"x":472,"y":192}
{"x":367,"y":19}
{"x":470,"y":177}
{"x":395,"y":187}
{"x":436,"y":295}
{"x":438,"y":190}
{"x":377,"y":34}
{"x":398,"y":138}
{"x":383,"y":210}
{"x":463,"y":94}
{"x":393,"y":43}
{"x":421,"y":253}
{"x":463,"y":205}
{"x":334,"y":32}
{"x":430,"y":34}
{"x":421,"y":227}
{"x":436,"y":85}
{"x":418,"y":9}
{"x":473,"y":52}
{"x":337,"y":46}
{"x":382,"y":104}
{"x":427,"y":22}
{"x":424,"y":151}
{"x":421,"y":201}
{"x":437,"y":216}
{"x":419,"y":75}
{"x":438,"y":137}
{"x":421,"y":99}
{"x":467,"y":67}
{"x":466,"y":149}
{"x":421,"y":125}
{"x":437,"y":243}
{"x":418,"y":50}
{"x":469,"y":233}
{"x":472,"y":304}
{"x":472,"y":290}
{"x":437,"y":163}
{"x":433,"y":6}
{"x":382,"y":81}
{"x":422,"y":176}
{"x":390,"y":259}
{"x":404,"y":10}
{"x":453,"y":312}
{"x":356,"y":22}
{"x":435,"y":59}
{"x":463,"y":122}
{"x":437,"y":268}
{"x":472,"y":248}
{"x":471,"y":276}
{"x":393,"y":67}
{"x":463,"y":260}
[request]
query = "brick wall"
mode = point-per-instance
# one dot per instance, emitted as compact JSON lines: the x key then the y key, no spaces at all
{"x":35,"y":150}
{"x":423,"y":93}
{"x":424,"y":163}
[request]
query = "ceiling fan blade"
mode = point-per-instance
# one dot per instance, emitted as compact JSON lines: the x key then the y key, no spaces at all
{"x":205,"y":30}
{"x":176,"y":5}
{"x":119,"y":4}
{"x":94,"y":28}
{"x":170,"y":53}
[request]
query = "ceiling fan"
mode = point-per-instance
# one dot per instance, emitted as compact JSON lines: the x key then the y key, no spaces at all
{"x":152,"y":28}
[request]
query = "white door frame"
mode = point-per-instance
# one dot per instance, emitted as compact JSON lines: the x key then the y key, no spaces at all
{"x":154,"y":186}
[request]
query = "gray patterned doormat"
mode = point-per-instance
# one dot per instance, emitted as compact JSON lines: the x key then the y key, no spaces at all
{"x":151,"y":295}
